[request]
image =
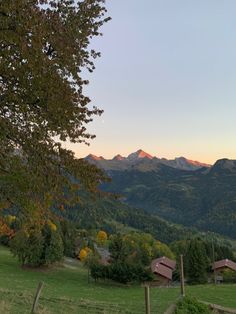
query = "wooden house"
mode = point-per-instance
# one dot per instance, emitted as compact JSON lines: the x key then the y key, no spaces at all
{"x":163,"y":268}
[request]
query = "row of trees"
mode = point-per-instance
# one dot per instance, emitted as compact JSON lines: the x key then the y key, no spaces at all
{"x":131,"y":255}
{"x":130,"y":258}
{"x":34,"y":244}
{"x":43,"y":244}
{"x":198,"y":258}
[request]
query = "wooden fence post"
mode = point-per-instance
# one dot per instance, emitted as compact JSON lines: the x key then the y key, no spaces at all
{"x":36,"y":298}
{"x":182,"y":275}
{"x":147,"y":299}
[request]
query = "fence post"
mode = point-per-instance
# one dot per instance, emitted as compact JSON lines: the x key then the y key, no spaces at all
{"x":147,"y":299}
{"x":36,"y":298}
{"x":182,"y":275}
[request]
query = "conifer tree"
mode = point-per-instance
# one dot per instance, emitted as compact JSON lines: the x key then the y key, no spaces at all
{"x":197,"y":262}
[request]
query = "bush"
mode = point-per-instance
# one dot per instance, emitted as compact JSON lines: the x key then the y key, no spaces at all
{"x":99,"y":271}
{"x":120,"y":272}
{"x":191,"y":306}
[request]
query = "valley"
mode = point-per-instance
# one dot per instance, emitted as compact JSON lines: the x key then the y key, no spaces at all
{"x":203,"y":198}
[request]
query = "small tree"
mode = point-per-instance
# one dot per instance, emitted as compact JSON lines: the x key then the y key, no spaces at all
{"x":102,"y":237}
{"x":84,"y":253}
{"x":118,"y":248}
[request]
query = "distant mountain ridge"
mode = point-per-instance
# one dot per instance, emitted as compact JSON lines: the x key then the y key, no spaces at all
{"x":143,"y":161}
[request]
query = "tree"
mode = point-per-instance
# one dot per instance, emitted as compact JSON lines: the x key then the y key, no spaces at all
{"x":118,"y":248}
{"x":84,"y":253}
{"x":69,"y":234}
{"x":53,"y":244}
{"x":101,"y":237}
{"x":44,"y":47}
{"x":37,"y":245}
{"x":197,"y":262}
{"x":28,"y":247}
{"x":163,"y":250}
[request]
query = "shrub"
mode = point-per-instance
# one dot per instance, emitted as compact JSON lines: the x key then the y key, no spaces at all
{"x":120,"y":272}
{"x":190,"y":305}
{"x":99,"y":271}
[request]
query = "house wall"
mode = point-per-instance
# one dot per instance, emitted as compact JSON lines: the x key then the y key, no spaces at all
{"x":219,"y":271}
{"x":161,"y":281}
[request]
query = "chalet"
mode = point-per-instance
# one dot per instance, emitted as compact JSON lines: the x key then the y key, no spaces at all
{"x":164,"y":261}
{"x":163,"y":269}
{"x":221,"y":266}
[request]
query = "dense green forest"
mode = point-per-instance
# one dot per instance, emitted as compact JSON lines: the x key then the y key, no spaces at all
{"x":204,"y":199}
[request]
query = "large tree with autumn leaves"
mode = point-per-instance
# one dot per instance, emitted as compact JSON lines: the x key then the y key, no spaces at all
{"x":44,"y":48}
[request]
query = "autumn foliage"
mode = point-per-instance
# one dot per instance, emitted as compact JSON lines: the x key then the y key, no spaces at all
{"x":83,"y":254}
{"x":102,"y":237}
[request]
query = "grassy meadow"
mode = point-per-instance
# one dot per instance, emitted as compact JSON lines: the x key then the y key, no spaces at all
{"x":66,"y":290}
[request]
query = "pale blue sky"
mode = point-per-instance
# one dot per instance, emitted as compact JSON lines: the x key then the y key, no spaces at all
{"x":166,"y":80}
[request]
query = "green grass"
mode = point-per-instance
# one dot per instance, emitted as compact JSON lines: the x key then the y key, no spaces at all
{"x":66,"y":290}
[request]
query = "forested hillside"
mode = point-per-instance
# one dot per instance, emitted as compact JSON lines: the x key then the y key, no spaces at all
{"x":113,"y":215}
{"x":205,"y":198}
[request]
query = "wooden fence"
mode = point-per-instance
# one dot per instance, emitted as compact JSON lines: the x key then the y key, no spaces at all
{"x":220,"y":309}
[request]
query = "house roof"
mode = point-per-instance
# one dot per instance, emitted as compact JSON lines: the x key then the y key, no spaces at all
{"x":162,"y":271}
{"x":224,"y":263}
{"x":164,"y":261}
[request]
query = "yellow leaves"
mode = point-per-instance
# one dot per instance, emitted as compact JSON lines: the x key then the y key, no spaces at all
{"x":164,"y":250}
{"x":51,"y":225}
{"x":147,"y":248}
{"x":102,"y":237}
{"x":84,"y":253}
{"x":10,"y":219}
{"x":48,"y":199}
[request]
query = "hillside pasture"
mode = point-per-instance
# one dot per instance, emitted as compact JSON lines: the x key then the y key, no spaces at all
{"x":66,"y":290}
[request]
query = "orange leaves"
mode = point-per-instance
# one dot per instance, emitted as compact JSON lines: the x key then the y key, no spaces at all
{"x":5,"y":229}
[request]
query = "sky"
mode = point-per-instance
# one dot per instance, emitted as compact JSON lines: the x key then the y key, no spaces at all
{"x":166,"y":80}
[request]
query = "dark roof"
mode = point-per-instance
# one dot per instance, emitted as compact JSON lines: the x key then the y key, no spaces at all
{"x":163,"y":271}
{"x":164,"y":261}
{"x":224,"y":263}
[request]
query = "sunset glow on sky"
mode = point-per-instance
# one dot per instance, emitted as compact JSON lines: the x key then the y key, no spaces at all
{"x":166,"y":80}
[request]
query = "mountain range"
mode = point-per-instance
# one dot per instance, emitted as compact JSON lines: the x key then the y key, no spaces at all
{"x":191,"y":194}
{"x":140,"y":160}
